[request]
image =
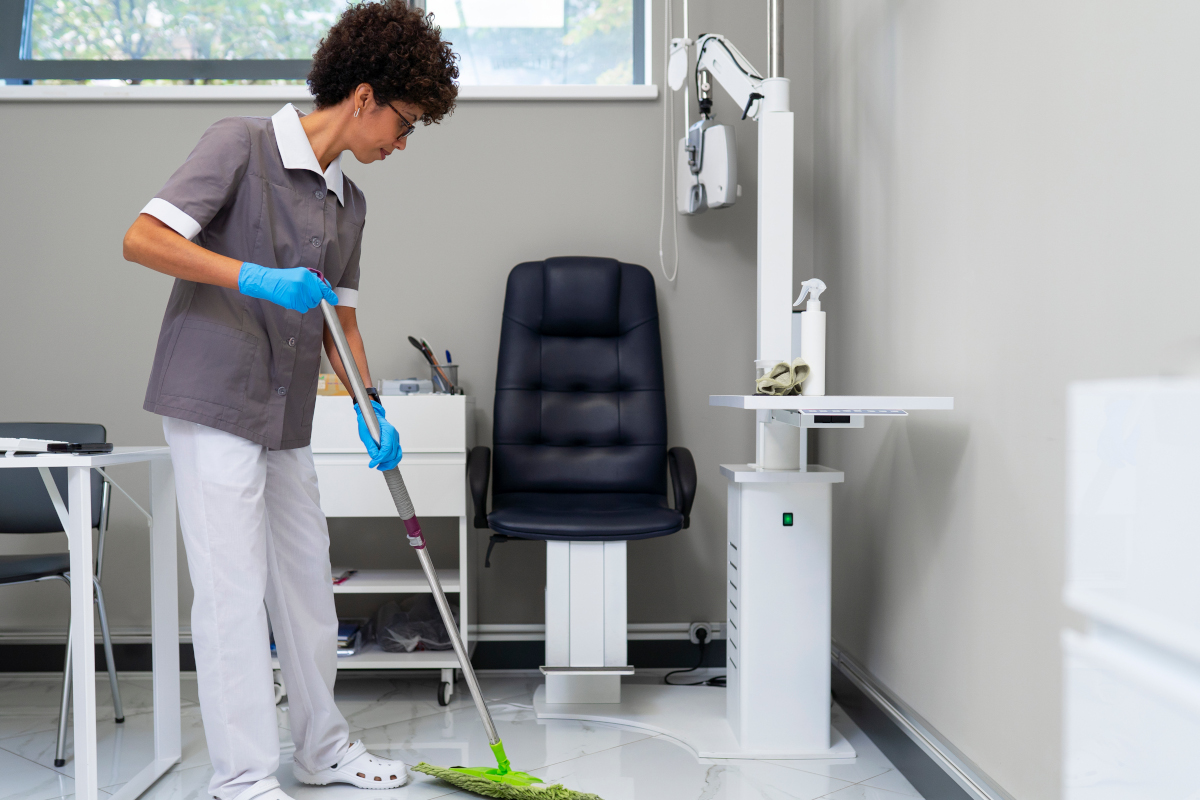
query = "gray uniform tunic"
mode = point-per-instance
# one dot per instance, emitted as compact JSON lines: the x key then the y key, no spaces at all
{"x":233,"y":362}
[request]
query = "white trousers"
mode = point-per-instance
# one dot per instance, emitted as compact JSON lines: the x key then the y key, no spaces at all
{"x":254,"y":532}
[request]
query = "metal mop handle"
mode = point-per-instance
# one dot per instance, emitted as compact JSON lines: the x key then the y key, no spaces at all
{"x":405,"y":507}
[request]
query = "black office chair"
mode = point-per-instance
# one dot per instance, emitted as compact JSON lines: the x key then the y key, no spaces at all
{"x":580,"y":420}
{"x":25,"y":507}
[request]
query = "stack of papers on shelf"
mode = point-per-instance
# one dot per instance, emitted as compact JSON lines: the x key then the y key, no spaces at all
{"x":349,"y":638}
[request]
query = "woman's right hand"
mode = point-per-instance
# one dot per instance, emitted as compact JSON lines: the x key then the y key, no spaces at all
{"x":297,"y":288}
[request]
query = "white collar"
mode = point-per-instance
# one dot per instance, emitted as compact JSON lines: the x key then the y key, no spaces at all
{"x":297,"y":152}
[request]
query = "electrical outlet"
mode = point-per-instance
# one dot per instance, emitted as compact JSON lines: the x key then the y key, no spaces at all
{"x":696,"y":626}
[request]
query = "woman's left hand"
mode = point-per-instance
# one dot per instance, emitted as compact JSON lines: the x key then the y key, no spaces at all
{"x":387,"y":454}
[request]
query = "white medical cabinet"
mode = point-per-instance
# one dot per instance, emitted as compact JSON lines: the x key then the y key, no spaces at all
{"x":436,"y":431}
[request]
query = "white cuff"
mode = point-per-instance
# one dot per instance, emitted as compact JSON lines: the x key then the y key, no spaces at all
{"x":347,"y":297}
{"x":172,"y":217}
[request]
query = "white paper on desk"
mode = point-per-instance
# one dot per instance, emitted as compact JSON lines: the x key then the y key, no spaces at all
{"x":27,"y":445}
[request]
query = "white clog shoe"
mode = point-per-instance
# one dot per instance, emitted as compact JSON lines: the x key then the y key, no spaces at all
{"x":359,"y":768}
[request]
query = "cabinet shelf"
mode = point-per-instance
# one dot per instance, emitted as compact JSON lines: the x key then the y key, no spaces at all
{"x":393,"y":581}
{"x":372,"y":657}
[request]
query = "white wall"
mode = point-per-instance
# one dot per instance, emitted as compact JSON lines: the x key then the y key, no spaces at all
{"x":495,"y":184}
{"x":1007,"y":201}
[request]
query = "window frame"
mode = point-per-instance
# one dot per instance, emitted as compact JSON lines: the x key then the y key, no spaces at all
{"x":14,"y":43}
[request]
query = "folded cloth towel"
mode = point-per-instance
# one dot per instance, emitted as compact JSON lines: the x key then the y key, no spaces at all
{"x":783,"y":378}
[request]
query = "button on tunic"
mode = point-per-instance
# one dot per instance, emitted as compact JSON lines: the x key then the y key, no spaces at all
{"x":252,"y":190}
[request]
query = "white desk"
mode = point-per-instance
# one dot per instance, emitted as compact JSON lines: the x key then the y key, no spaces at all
{"x":164,"y":606}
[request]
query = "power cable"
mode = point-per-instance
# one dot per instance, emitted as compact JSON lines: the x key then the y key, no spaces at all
{"x":667,"y":154}
{"x":719,"y":680}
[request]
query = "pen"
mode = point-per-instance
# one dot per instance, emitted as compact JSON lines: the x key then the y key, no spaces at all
{"x":449,"y":360}
{"x":345,"y":576}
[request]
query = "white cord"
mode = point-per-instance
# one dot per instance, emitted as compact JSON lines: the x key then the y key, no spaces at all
{"x":668,"y":155}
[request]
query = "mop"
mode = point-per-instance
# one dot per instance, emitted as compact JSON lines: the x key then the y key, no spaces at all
{"x":502,"y":782}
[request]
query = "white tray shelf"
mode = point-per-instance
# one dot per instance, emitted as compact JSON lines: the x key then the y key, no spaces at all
{"x":844,"y":404}
{"x":749,"y":473}
{"x":393,"y":581}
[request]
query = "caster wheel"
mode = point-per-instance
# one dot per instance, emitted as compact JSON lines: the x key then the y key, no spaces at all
{"x":444,"y":693}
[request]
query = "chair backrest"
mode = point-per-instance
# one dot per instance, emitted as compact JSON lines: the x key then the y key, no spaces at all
{"x":25,"y":505}
{"x":579,"y":384}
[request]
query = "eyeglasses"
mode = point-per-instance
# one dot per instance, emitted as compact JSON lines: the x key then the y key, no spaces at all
{"x":408,"y":126}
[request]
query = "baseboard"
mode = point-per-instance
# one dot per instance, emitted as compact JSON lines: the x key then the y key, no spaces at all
{"x":51,"y":657}
{"x":648,"y":654}
{"x":487,"y":632}
{"x":930,"y":763}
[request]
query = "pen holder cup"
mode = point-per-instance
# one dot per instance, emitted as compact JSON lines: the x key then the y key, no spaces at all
{"x":450,"y":371}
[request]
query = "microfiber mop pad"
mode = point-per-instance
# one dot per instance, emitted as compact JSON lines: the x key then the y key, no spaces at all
{"x":489,"y":786}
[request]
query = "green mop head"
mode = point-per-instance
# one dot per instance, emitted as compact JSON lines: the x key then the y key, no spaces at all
{"x":503,"y":782}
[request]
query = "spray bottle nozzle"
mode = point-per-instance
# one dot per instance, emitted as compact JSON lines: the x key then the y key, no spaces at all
{"x":813,"y":288}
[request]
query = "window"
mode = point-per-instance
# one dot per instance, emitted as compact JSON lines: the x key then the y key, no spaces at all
{"x":501,"y":42}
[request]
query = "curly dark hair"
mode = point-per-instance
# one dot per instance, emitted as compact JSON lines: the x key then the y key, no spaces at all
{"x":393,"y":48}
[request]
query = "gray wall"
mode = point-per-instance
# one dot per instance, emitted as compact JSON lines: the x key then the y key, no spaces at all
{"x":495,"y":184}
{"x":1007,"y":202}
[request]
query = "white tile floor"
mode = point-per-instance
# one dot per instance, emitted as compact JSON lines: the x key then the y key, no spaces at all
{"x":400,"y":718}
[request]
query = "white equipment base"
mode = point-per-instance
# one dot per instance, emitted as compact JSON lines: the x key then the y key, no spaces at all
{"x":693,"y":715}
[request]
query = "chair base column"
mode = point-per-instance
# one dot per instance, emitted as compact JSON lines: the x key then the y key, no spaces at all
{"x":585,"y":622}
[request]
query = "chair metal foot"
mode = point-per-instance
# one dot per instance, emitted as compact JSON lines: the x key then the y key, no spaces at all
{"x":60,"y":746}
{"x":110,"y":662}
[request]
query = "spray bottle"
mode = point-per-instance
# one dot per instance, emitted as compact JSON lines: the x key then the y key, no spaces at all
{"x":812,"y":337}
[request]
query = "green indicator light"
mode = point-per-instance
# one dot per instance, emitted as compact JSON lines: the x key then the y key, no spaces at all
{"x":787,"y":519}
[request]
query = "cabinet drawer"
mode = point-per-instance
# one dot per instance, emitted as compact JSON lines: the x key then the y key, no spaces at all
{"x":349,"y":489}
{"x":428,"y":423}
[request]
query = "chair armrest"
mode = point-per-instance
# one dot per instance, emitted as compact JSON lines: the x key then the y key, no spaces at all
{"x":683,"y":480}
{"x":479,"y":468}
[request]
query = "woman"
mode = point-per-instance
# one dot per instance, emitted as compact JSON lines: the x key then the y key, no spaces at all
{"x":258,"y":226}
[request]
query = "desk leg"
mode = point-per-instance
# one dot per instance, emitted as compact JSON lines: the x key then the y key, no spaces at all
{"x":164,"y":602}
{"x":83,"y":630}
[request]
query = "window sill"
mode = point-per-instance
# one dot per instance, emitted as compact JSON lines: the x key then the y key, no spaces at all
{"x":299,"y":94}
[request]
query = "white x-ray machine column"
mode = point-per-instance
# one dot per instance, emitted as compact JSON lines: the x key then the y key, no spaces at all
{"x":779,"y":542}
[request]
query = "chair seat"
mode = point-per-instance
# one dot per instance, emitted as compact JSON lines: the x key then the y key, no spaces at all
{"x":582,"y":517}
{"x":14,"y":569}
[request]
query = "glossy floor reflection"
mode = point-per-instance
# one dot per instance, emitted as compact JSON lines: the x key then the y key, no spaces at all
{"x":400,"y":718}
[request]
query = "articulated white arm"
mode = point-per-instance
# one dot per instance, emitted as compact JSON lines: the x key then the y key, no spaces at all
{"x":733,"y":71}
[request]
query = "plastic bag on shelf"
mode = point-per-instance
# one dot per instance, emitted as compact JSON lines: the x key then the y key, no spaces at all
{"x":412,"y":624}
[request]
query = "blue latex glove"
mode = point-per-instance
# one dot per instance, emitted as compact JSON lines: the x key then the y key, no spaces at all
{"x":387,"y":453}
{"x":296,"y":288}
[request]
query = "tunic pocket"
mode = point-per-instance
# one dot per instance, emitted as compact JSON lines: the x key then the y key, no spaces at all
{"x":209,"y":369}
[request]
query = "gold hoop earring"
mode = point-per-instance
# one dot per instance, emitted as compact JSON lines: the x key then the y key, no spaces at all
{"x":356,"y":111}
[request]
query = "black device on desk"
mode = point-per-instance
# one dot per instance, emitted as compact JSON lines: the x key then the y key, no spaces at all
{"x":81,"y":448}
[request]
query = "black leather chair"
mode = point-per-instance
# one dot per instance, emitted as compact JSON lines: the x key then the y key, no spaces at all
{"x":25,"y":507}
{"x":580,"y":419}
